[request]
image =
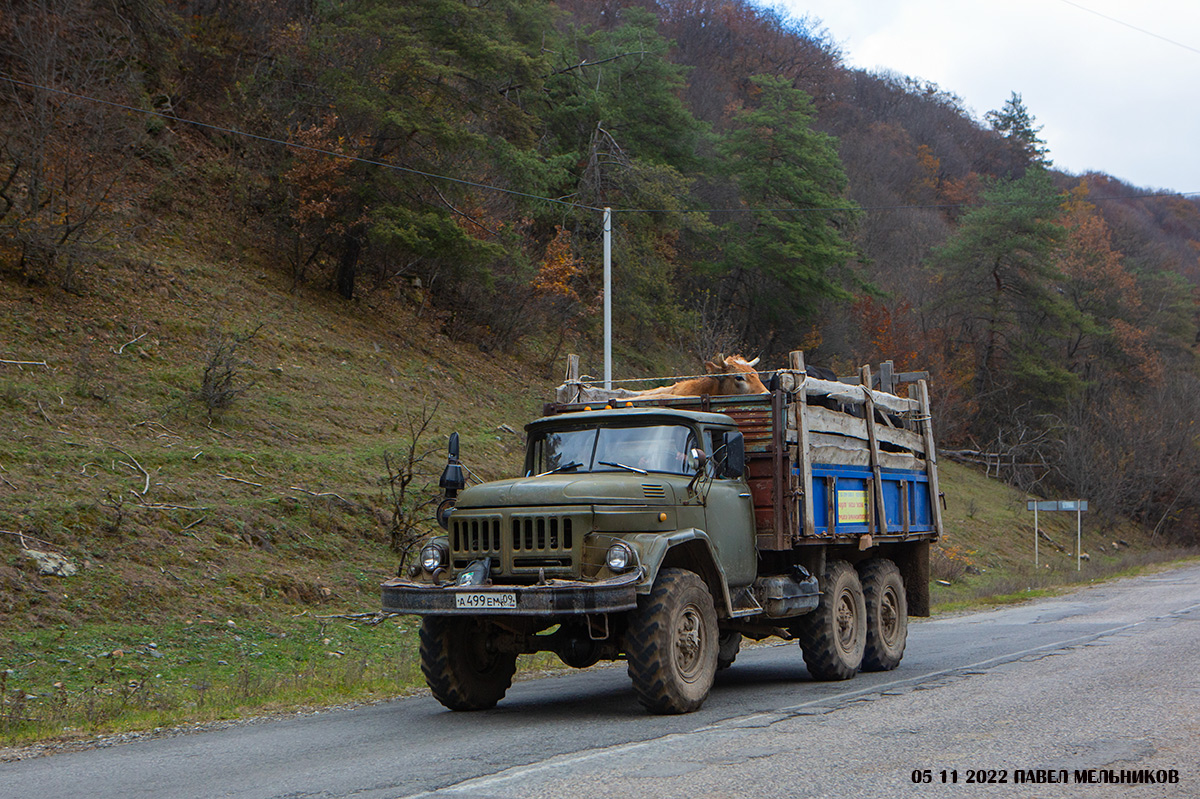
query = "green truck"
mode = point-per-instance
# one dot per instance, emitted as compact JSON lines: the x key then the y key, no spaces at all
{"x":665,"y":531}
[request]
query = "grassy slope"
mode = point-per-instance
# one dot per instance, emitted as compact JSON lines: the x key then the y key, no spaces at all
{"x":217,"y":590}
{"x":268,"y":515}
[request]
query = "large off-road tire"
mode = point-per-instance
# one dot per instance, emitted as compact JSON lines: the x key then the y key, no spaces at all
{"x":887,"y":614}
{"x":834,"y":635}
{"x":461,"y":671}
{"x":671,"y":643}
{"x":728,"y":645}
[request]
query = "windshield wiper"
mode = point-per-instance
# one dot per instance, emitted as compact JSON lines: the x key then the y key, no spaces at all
{"x":623,"y":466}
{"x":566,"y":467}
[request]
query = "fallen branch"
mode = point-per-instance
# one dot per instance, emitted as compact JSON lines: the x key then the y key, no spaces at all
{"x":133,"y":341}
{"x":26,"y":363}
{"x":320,"y":494}
{"x":142,"y":469}
{"x":221,"y":432}
{"x":239,"y":480}
{"x":162,"y":506}
{"x":23,"y":536}
{"x":1051,"y":541}
{"x":376,"y":617}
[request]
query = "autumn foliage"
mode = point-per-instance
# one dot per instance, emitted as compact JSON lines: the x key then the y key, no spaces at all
{"x":458,"y":154}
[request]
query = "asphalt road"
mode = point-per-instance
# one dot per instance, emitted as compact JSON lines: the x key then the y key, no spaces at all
{"x":1103,"y":681}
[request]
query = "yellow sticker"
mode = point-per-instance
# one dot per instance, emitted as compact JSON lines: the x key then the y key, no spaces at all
{"x":852,"y":507}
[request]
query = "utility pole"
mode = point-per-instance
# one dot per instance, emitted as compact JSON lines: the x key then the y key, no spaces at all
{"x":608,"y":298}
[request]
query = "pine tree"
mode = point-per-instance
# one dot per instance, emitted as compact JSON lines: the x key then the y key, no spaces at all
{"x":1016,"y":124}
{"x":1001,"y":291}
{"x":778,"y":265}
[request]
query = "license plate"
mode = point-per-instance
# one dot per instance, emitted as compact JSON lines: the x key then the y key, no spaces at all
{"x":480,"y":600}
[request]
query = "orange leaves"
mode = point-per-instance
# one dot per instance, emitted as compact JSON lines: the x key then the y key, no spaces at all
{"x":895,"y":333}
{"x":1146,"y":362}
{"x":316,"y":180}
{"x":1089,"y":259}
{"x":559,"y":269}
{"x":892,"y":332}
{"x":929,"y":182}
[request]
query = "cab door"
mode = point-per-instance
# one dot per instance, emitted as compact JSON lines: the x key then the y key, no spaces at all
{"x":729,"y":515}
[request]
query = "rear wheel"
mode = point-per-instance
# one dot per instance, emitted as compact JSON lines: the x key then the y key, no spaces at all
{"x":459,"y":664}
{"x":887,"y":614}
{"x":671,"y":644}
{"x":833,"y":636}
{"x":728,"y":645}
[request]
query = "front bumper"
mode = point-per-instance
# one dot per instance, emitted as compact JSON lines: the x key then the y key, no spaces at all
{"x":555,"y":598}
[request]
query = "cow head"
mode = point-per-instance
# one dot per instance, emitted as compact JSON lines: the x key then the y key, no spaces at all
{"x":736,"y":375}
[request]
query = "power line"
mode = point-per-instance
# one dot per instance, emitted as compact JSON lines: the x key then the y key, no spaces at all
{"x":905,"y":207}
{"x":1132,"y":27}
{"x":297,"y":146}
{"x":552,"y":200}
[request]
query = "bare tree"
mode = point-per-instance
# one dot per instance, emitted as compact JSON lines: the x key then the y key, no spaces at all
{"x":409,"y":482}
{"x":63,"y":146}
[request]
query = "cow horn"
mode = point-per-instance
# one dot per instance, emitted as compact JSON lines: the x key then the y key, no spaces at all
{"x":752,"y":363}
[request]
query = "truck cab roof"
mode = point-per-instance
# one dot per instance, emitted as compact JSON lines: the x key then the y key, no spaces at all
{"x":631,"y":416}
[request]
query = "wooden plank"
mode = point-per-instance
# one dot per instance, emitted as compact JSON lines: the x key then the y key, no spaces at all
{"x":568,"y":392}
{"x":876,"y":475}
{"x":822,"y":450}
{"x":831,"y":505}
{"x":825,"y":420}
{"x":887,"y":377}
{"x":935,"y":493}
{"x":801,"y":457}
{"x":779,"y":483}
{"x":900,"y":377}
{"x":853,"y":395}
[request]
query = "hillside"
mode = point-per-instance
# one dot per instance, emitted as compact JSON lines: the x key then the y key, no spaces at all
{"x":258,"y":260}
{"x":456,"y":158}
{"x":232,"y":582}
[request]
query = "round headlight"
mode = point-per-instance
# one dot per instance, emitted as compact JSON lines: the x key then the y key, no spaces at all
{"x":433,"y":556}
{"x":620,"y":557}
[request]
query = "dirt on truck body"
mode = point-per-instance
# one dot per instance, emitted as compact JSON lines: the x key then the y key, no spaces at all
{"x":665,"y":530}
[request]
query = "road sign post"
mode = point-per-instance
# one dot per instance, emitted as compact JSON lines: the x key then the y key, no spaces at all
{"x":1076,"y":505}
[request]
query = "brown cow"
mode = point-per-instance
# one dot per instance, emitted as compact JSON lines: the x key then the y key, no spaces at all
{"x":732,"y":375}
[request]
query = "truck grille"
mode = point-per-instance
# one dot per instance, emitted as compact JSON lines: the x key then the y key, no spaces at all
{"x":542,"y":542}
{"x":530,"y":543}
{"x":475,"y":536}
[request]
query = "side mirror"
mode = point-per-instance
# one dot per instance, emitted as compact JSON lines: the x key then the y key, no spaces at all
{"x":735,"y":454}
{"x":453,"y":480}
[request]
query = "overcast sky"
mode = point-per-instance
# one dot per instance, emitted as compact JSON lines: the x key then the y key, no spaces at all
{"x":1110,"y":98}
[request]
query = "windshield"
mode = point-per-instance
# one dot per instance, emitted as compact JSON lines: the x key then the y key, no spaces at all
{"x":644,"y":449}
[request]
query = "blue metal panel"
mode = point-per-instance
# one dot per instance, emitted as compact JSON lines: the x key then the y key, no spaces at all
{"x":851,"y":486}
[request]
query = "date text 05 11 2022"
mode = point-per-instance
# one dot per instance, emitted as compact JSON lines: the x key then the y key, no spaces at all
{"x":1099,"y":776}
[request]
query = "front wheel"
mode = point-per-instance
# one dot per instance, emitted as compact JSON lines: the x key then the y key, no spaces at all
{"x":671,"y":643}
{"x":460,"y":667}
{"x":834,"y":635}
{"x":887,"y":614}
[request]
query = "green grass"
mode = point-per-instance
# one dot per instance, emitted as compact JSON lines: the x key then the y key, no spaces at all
{"x":116,"y":677}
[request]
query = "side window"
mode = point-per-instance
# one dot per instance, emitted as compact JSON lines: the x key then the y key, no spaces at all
{"x":533,"y":464}
{"x":716,"y":452}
